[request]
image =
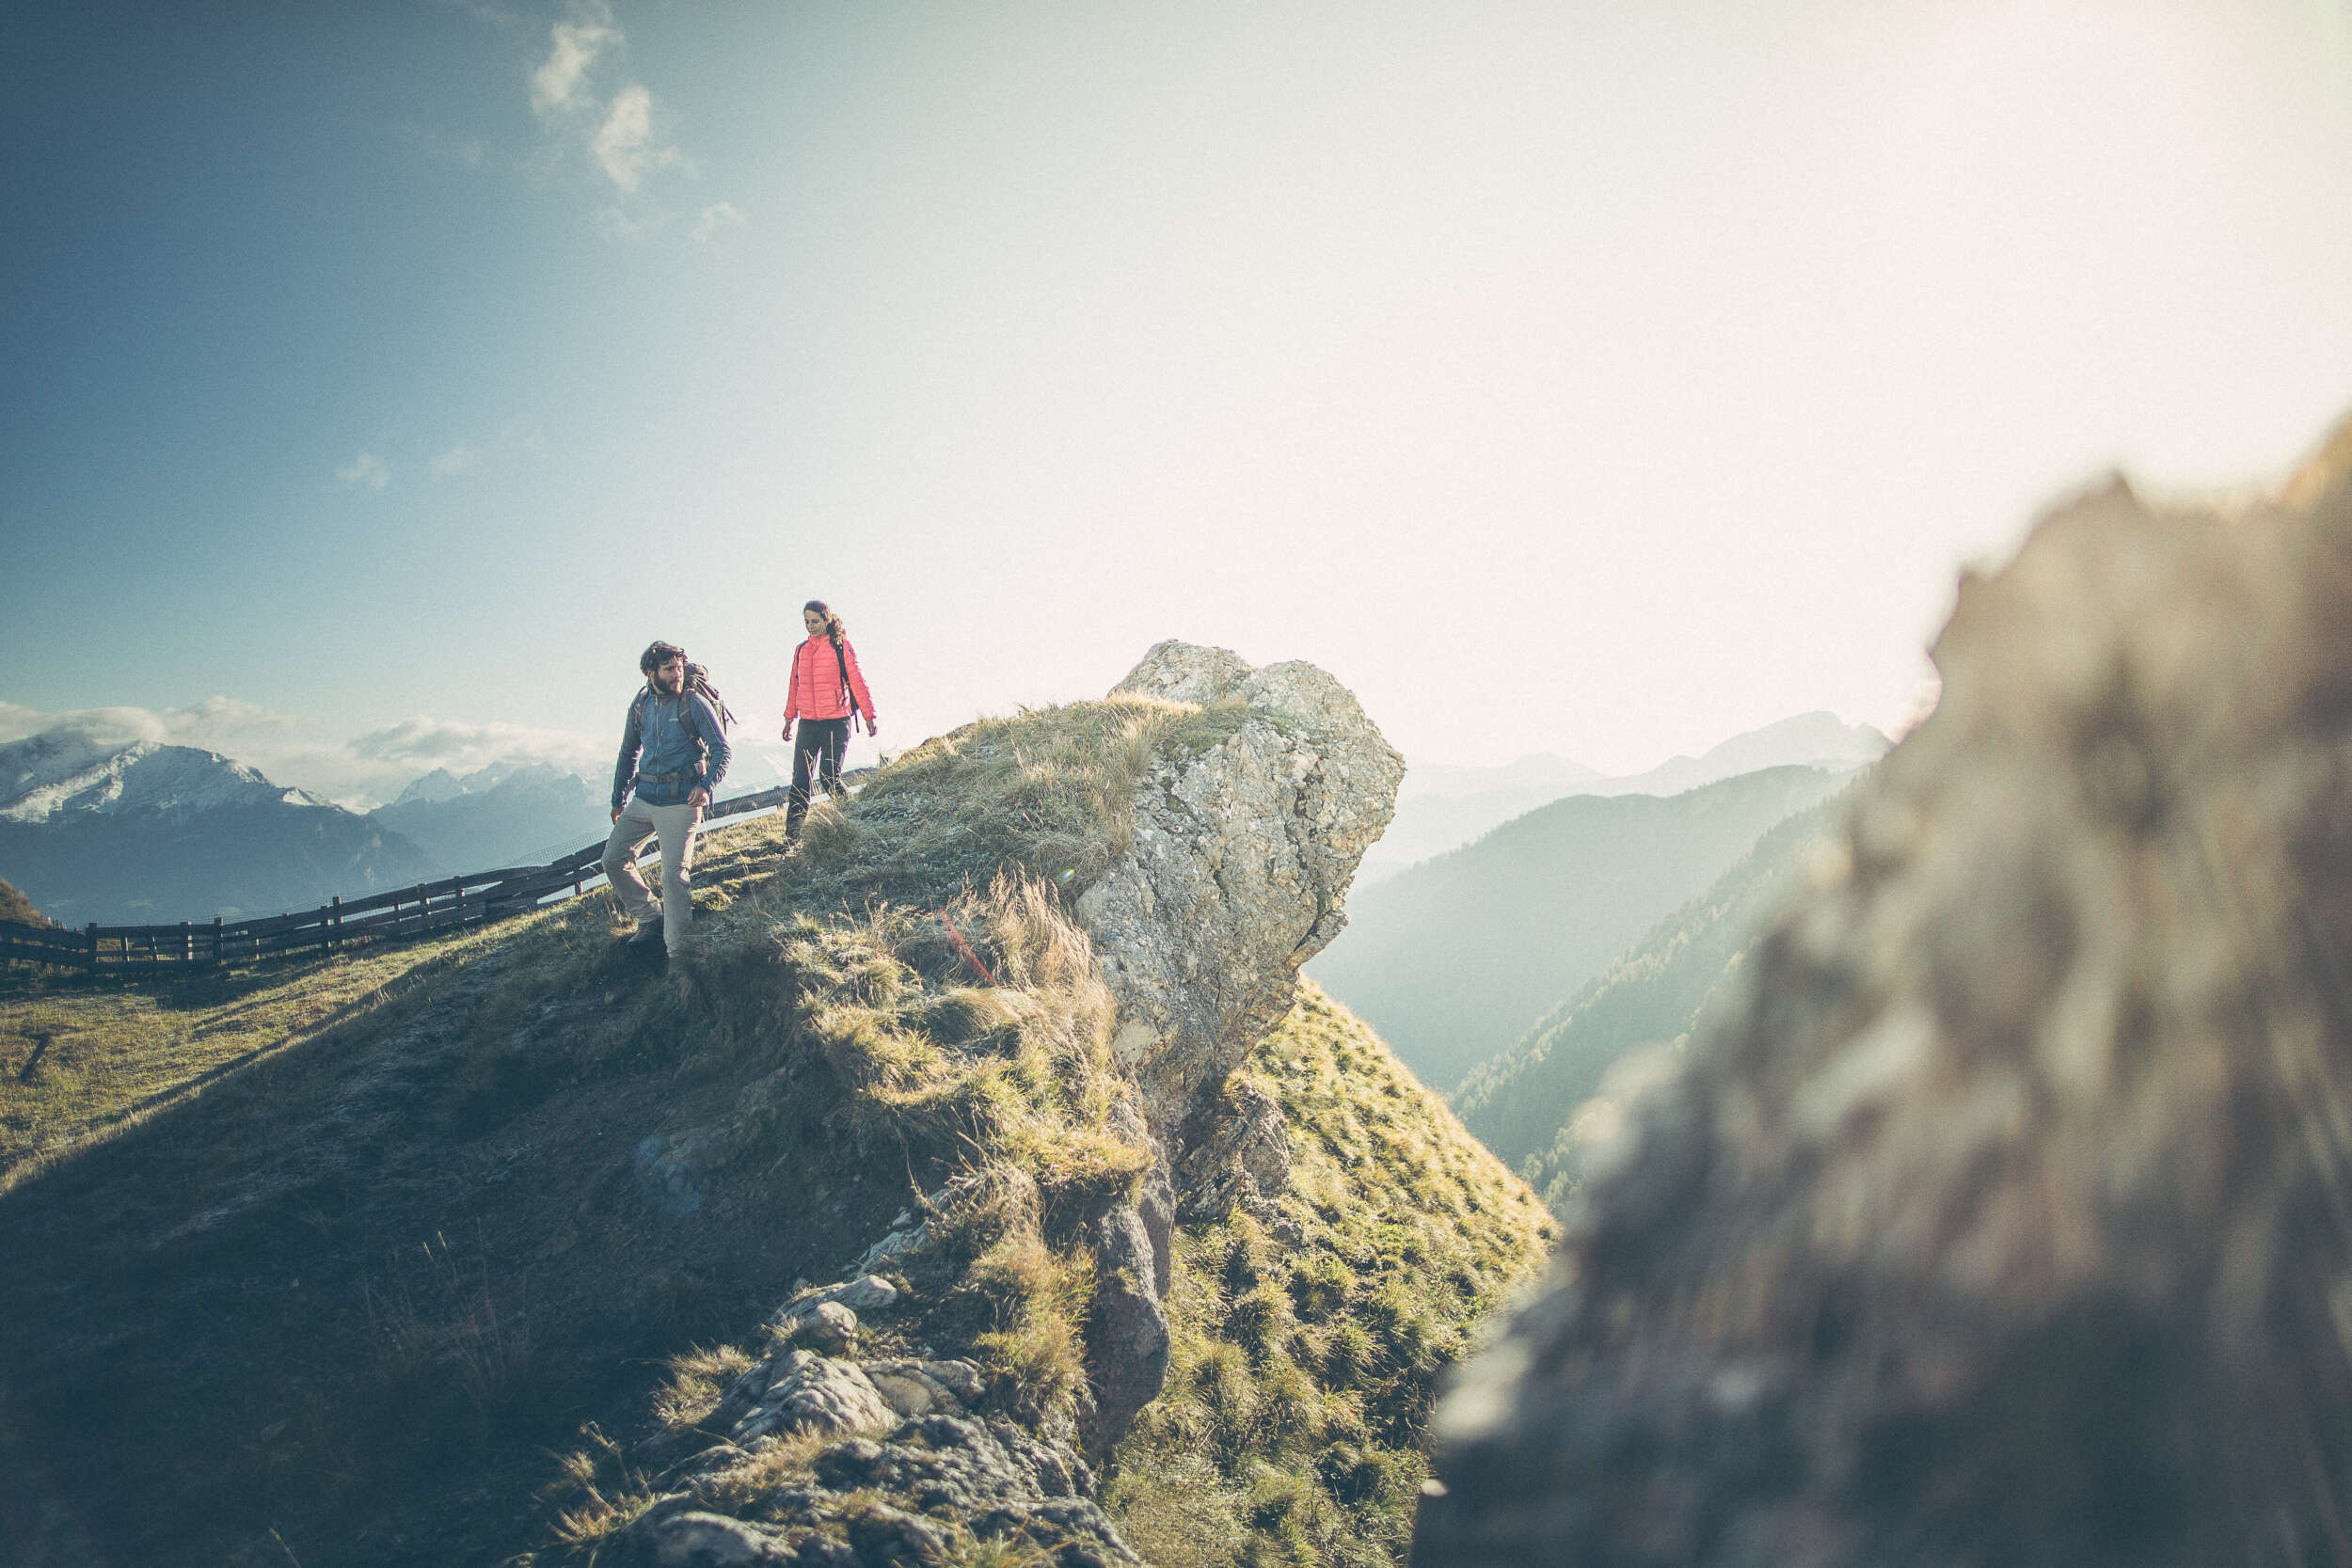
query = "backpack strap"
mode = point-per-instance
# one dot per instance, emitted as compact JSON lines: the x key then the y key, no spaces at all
{"x":841,"y":663}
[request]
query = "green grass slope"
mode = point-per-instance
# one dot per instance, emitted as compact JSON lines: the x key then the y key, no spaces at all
{"x":1545,"y":1105}
{"x":1309,"y":1340}
{"x":1453,"y":961}
{"x":438,"y":1216}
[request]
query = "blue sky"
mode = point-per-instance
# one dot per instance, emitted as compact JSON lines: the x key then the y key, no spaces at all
{"x":377,"y":379}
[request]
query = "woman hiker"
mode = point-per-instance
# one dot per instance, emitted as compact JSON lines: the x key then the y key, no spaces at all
{"x":827,"y":695}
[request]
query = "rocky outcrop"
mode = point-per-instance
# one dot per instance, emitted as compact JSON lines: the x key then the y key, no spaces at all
{"x":1240,"y":1154}
{"x":1230,"y":879}
{"x":2005,"y":1225}
{"x":1236,"y":873}
{"x":970,"y":1481}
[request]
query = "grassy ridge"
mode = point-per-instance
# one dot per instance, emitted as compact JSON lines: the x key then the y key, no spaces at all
{"x":1309,"y":1340}
{"x":498,"y":1189}
{"x":1042,"y":794}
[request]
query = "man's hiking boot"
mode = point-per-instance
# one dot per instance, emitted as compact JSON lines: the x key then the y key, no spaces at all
{"x":646,"y":938}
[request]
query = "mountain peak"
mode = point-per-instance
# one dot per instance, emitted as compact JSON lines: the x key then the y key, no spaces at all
{"x":53,"y":775}
{"x":439,"y":785}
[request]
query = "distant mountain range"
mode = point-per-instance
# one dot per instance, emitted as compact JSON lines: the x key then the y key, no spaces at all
{"x":1455,"y":959}
{"x":148,"y":834}
{"x":1442,"y":807}
{"x":153,"y":834}
{"x":503,"y":814}
{"x":1545,"y":1104}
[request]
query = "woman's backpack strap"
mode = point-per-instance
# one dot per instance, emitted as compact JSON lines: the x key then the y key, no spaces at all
{"x":841,"y":662}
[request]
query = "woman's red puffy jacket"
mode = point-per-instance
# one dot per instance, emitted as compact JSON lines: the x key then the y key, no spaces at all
{"x":817,"y":692}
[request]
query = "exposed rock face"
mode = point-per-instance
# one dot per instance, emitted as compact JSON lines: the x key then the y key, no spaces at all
{"x":1129,"y":1343}
{"x":808,"y":1392}
{"x":1239,"y":862}
{"x":997,"y":1482}
{"x":2007,"y":1224}
{"x":1244,"y":1153}
{"x":1232,"y":880}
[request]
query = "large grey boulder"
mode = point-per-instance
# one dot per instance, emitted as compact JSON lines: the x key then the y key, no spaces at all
{"x":2007,"y":1222}
{"x":814,"y":1393}
{"x":1128,"y":1341}
{"x":1234,"y":877}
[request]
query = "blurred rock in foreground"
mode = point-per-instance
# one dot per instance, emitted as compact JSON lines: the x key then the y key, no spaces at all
{"x":2010,"y":1220}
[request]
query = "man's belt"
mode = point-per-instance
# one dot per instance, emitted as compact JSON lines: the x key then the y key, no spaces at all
{"x":679,"y":777}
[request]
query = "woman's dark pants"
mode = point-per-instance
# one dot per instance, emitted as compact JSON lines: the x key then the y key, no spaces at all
{"x":821,"y":743}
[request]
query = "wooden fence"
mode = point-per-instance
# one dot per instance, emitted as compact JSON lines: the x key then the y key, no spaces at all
{"x":409,"y":912}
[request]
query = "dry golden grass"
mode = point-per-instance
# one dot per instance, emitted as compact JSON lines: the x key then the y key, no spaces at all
{"x":698,"y":1380}
{"x":1047,"y":794}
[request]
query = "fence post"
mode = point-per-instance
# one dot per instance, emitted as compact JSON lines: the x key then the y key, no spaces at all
{"x":335,"y":924}
{"x":215,"y":938}
{"x":94,"y":945}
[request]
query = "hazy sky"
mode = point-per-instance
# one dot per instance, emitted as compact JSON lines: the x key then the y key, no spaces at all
{"x":1597,"y":378}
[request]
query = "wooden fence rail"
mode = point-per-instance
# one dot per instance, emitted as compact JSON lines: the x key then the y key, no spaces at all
{"x":404,"y":912}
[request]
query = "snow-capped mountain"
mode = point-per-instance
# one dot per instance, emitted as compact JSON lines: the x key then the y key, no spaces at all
{"x":441,"y":785}
{"x":50,"y":776}
{"x":434,"y":788}
{"x":148,"y":833}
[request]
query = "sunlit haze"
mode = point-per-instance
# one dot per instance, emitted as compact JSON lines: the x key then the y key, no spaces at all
{"x":1589,"y":378}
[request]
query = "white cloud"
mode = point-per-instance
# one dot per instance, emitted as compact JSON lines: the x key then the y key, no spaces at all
{"x":216,"y":724}
{"x":368,"y":470}
{"x":421,"y":744}
{"x":456,"y":461}
{"x":625,"y":145}
{"x":716,"y":218}
{"x":561,"y":82}
{"x":619,"y":132}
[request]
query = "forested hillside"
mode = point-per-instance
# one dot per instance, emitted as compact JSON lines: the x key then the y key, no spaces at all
{"x":1456,"y":959}
{"x":1535,"y":1105}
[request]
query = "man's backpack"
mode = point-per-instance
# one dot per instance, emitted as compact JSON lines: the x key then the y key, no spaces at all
{"x":698,"y":682}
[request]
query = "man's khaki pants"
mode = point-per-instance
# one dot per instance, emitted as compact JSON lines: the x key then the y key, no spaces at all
{"x":637,"y":823}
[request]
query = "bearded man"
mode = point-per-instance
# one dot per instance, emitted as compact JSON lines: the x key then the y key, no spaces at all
{"x":675,"y":751}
